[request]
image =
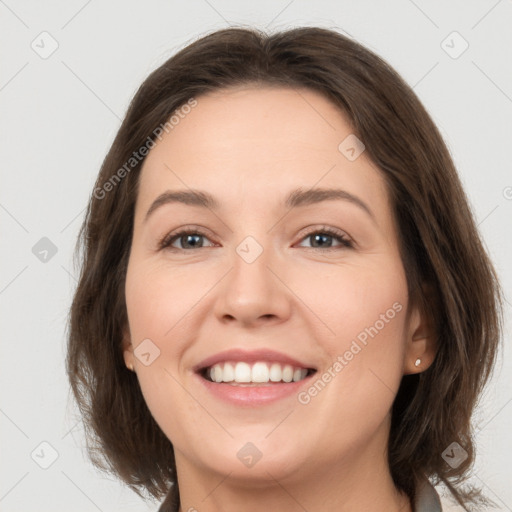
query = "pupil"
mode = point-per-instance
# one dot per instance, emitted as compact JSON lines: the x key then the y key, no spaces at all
{"x":321,"y":236}
{"x":192,"y":236}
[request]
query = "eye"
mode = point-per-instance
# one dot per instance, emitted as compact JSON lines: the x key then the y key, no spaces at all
{"x":324,"y":237}
{"x":188,"y":238}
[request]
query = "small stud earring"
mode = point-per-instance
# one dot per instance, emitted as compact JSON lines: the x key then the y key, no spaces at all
{"x":417,"y":363}
{"x":130,"y":367}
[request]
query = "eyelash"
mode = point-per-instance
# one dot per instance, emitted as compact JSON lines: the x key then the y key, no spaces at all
{"x":345,"y":242}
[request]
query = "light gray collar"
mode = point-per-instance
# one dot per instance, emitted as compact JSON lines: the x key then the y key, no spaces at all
{"x":427,"y":499}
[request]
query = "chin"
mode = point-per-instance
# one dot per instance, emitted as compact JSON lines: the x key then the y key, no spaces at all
{"x":253,"y":462}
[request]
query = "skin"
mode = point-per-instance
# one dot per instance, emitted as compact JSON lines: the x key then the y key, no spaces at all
{"x":249,"y":147}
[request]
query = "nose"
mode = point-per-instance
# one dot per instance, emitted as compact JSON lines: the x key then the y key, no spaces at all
{"x":254,"y":293}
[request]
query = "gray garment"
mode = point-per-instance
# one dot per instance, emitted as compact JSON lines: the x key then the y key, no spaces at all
{"x":427,"y":499}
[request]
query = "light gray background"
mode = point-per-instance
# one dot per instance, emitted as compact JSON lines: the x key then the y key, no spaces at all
{"x":58,"y":118}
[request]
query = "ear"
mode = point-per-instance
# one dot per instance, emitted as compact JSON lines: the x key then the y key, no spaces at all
{"x":128,"y":355}
{"x":421,"y":335}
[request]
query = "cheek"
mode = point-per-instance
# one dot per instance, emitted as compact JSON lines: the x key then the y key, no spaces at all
{"x":366,"y":306}
{"x":158,"y":301}
{"x":365,"y":313}
{"x":160,"y":306}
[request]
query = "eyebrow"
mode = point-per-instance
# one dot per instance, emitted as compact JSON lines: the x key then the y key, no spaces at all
{"x":295,"y":199}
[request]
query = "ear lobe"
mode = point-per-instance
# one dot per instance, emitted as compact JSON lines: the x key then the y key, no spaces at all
{"x":127,"y":348}
{"x":421,"y":335}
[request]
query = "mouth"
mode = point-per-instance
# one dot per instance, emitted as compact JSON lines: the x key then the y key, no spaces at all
{"x":256,"y":378}
{"x":241,"y":373}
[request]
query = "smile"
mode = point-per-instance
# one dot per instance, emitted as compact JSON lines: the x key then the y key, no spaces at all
{"x":259,"y":372}
{"x":253,"y":378}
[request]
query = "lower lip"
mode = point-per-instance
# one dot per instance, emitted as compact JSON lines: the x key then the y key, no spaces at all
{"x":253,"y":395}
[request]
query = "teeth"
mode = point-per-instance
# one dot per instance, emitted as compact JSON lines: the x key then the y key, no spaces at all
{"x":242,"y":372}
{"x":276,"y":372}
{"x":228,"y":375}
{"x":259,"y":372}
{"x":288,"y":373}
{"x":217,"y":374}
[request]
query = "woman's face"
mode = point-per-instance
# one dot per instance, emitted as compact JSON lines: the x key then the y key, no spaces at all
{"x":260,"y":293}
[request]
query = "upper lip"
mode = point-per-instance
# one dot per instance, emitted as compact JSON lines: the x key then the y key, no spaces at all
{"x":251,"y":356}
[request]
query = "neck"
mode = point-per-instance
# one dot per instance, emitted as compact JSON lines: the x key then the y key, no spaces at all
{"x":360,"y":481}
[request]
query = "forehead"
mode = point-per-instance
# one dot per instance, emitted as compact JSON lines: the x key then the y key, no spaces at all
{"x":262,"y":142}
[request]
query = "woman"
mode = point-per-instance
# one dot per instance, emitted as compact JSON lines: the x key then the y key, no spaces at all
{"x":284,"y":300}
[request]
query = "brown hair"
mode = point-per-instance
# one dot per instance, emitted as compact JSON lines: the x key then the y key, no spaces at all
{"x":440,"y":247}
